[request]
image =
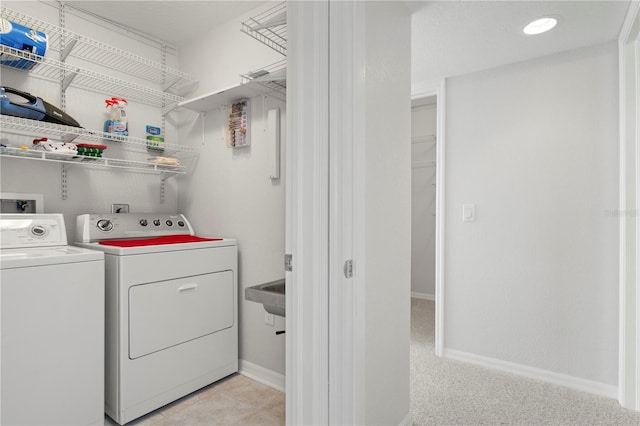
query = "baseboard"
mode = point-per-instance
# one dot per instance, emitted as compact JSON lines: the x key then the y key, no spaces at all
{"x":407,"y":421}
{"x":262,"y":375}
{"x":426,"y":296}
{"x":576,"y":383}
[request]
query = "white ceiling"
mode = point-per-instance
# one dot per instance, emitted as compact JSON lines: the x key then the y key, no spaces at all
{"x":175,"y":22}
{"x":458,"y":37}
{"x":449,"y":37}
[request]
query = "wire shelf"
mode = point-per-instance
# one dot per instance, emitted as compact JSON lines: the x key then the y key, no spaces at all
{"x":68,"y":43}
{"x":26,"y":128}
{"x":270,"y":80}
{"x":269,"y":28}
{"x":101,"y":162}
{"x":75,"y":76}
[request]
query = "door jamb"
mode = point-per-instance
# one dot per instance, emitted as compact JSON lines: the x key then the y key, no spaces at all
{"x":307,"y":209}
{"x":439,"y":92}
{"x":346,"y":329}
{"x":629,"y":286}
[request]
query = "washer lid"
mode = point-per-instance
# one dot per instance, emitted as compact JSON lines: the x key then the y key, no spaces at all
{"x":40,"y":256}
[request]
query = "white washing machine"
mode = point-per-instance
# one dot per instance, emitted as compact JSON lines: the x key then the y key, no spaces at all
{"x":52,"y":322}
{"x":171,"y":308}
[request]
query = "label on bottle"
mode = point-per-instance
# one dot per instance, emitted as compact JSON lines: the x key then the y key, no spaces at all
{"x":120,"y":128}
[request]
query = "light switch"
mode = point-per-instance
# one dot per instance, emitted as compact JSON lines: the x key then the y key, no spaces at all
{"x":468,"y":212}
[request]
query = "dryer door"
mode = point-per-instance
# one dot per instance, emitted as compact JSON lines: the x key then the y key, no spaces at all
{"x":168,"y":313}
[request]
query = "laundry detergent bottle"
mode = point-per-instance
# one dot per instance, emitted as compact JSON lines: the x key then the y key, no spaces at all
{"x":117,"y":122}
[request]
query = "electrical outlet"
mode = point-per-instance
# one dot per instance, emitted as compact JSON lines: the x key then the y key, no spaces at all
{"x":119,"y":208}
{"x":269,"y":319}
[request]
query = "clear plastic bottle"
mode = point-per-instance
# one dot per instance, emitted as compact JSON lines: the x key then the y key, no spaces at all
{"x":117,"y":122}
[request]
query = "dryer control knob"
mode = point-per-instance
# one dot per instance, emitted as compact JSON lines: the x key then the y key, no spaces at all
{"x":156,"y":222}
{"x":105,"y":225}
{"x":143,"y":222}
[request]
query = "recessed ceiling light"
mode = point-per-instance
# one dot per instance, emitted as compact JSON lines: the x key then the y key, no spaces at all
{"x":540,"y":26}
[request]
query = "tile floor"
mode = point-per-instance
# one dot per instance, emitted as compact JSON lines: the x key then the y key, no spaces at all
{"x":235,"y":400}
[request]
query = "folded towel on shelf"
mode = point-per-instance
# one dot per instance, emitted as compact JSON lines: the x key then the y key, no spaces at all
{"x":87,"y":151}
{"x":91,"y":145}
{"x":91,"y":150}
{"x":168,"y":239}
{"x":91,"y":154}
{"x":165,"y":161}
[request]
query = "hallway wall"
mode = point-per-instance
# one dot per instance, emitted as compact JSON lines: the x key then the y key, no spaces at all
{"x":534,"y":280}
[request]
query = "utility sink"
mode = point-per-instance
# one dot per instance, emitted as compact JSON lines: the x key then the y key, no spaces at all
{"x":270,"y":294}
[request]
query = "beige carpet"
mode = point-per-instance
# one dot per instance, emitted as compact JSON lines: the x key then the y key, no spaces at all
{"x":447,"y":392}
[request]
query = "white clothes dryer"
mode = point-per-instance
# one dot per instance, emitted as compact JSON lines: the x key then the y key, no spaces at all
{"x":171,"y":308}
{"x":52,"y":322}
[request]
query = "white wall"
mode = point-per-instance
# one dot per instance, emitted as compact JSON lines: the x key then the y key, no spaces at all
{"x":423,"y":198}
{"x":229,"y":193}
{"x":383,"y":248}
{"x":534,"y":280}
{"x":89,"y":190}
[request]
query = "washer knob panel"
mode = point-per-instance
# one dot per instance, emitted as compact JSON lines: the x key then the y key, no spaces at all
{"x":38,"y":230}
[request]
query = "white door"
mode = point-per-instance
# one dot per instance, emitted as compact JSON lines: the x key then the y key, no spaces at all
{"x":348,"y":159}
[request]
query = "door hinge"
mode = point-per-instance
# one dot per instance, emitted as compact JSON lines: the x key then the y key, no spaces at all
{"x":348,"y":268}
{"x":288,"y":262}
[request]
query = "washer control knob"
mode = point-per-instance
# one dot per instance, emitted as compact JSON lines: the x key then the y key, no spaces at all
{"x":105,"y":225}
{"x":156,"y":222}
{"x":38,"y":230}
{"x":169,"y":222}
{"x":143,"y":222}
{"x":180,"y":223}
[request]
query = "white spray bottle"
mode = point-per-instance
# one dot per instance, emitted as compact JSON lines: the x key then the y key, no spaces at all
{"x":117,"y":122}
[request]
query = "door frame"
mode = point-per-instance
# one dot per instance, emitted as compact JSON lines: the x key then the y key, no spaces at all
{"x":307,"y":214}
{"x":629,"y":281}
{"x":326,"y":182}
{"x":346,"y":310}
{"x":438,"y":90}
{"x":324,"y":335}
